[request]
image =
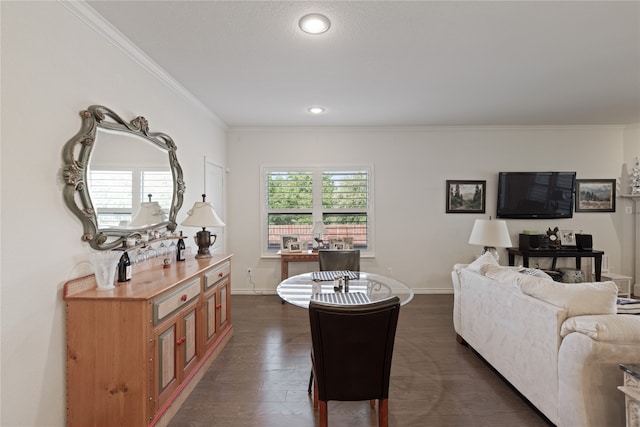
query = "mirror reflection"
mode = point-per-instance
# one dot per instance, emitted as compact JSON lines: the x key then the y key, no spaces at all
{"x":130,"y":182}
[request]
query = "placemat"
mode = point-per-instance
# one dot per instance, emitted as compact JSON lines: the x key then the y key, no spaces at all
{"x":324,"y":276}
{"x":347,"y":298}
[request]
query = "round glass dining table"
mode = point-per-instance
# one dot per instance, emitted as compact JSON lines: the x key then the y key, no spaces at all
{"x":366,"y":288}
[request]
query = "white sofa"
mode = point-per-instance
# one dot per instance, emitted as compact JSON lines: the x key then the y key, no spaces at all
{"x":559,"y":345}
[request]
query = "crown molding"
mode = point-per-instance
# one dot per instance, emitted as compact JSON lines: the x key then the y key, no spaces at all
{"x":103,"y":27}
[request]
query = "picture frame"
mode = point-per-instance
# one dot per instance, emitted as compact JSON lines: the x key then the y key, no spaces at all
{"x":595,"y":195}
{"x":348,"y":242}
{"x":295,"y":246}
{"x":567,"y":238}
{"x":286,"y":240}
{"x":466,"y":196}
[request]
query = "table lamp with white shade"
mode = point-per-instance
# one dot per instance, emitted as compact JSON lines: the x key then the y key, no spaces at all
{"x":491,"y":234}
{"x":203,"y":215}
{"x":149,"y":213}
{"x":317,"y":232}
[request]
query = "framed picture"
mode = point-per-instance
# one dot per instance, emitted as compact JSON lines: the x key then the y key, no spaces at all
{"x":286,"y":240}
{"x":595,"y":195}
{"x":295,"y":246}
{"x":348,"y":242}
{"x":466,"y":196}
{"x":567,"y":238}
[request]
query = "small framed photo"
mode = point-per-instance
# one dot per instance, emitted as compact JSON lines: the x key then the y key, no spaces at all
{"x":348,"y":242}
{"x":295,"y":246}
{"x":286,"y":240}
{"x":466,"y":196}
{"x":595,"y":195}
{"x":567,"y":238}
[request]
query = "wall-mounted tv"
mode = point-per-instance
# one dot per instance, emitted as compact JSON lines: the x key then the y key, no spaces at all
{"x":535,"y":195}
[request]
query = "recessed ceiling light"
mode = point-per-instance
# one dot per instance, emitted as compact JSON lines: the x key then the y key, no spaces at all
{"x":314,"y":23}
{"x":316,"y":110}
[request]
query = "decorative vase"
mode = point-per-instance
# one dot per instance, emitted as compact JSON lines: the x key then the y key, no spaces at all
{"x":104,"y":267}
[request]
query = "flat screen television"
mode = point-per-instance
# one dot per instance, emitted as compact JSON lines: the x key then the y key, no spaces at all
{"x":535,"y":195}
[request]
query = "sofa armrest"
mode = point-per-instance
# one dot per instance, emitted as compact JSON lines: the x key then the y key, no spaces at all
{"x":588,"y":368}
{"x":618,"y":328}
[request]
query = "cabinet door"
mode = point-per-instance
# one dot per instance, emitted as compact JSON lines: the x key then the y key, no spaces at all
{"x":176,"y":351}
{"x":224,"y":305}
{"x":187,"y":344}
{"x":167,"y":374}
{"x":211,"y":328}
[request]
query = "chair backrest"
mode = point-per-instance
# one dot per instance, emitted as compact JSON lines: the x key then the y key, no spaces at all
{"x":352,"y":348}
{"x":339,"y":260}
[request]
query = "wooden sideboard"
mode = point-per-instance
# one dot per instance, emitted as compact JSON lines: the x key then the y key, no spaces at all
{"x":134,"y":353}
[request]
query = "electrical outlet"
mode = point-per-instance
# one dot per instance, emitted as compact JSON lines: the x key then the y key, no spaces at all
{"x":389,"y":271}
{"x":628,"y":210}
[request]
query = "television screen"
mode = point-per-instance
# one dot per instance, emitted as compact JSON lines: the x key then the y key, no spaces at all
{"x":535,"y":195}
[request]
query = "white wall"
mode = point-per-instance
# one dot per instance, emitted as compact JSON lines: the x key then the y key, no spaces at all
{"x":414,"y":236}
{"x":53,"y":66}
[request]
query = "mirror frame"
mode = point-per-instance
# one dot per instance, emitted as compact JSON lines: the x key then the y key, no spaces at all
{"x":76,"y":155}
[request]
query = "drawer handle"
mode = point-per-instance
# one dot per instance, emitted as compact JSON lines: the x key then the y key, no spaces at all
{"x":183,"y":297}
{"x":220,"y":274}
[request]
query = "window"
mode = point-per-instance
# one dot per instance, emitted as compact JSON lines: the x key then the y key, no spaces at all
{"x":114,"y":198}
{"x":297,"y":197}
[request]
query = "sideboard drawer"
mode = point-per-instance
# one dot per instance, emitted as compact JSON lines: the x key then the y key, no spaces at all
{"x":176,"y":299}
{"x":214,"y":276}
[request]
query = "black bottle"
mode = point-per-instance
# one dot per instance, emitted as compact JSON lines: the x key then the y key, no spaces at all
{"x":124,"y":266}
{"x":181,"y":249}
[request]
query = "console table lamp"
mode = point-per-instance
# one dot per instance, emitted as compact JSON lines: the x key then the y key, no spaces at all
{"x":491,"y":234}
{"x":317,"y":231}
{"x":203,"y":215}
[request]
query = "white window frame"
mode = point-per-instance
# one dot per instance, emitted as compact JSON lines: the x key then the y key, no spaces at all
{"x":317,"y":209}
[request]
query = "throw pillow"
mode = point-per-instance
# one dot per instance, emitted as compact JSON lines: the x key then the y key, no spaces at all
{"x":535,"y":272}
{"x":577,"y":298}
{"x":620,"y":328}
{"x":500,"y":273}
{"x":513,"y":274}
{"x":484,"y":259}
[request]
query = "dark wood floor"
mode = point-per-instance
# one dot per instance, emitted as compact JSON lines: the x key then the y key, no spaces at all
{"x":261,"y":377}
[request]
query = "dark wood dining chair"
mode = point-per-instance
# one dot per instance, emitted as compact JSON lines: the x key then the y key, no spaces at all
{"x":352,"y":351}
{"x":339,"y":260}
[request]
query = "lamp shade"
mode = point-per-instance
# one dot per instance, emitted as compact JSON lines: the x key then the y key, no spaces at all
{"x":490,"y":233}
{"x":319,"y":228}
{"x":202,"y":215}
{"x":149,"y":213}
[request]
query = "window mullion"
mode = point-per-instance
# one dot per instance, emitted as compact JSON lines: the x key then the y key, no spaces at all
{"x":317,"y":195}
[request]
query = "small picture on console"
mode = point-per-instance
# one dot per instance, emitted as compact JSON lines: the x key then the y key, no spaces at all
{"x":595,"y":195}
{"x":567,"y":238}
{"x":466,"y":196}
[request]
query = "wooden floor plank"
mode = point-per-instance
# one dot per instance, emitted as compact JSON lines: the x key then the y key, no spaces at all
{"x":261,"y":377}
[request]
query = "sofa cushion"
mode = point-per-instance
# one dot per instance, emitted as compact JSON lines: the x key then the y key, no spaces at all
{"x":577,"y":298}
{"x":484,"y":259}
{"x":623,"y":328}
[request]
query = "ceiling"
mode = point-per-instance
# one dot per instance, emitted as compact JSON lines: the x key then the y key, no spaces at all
{"x":397,"y":63}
